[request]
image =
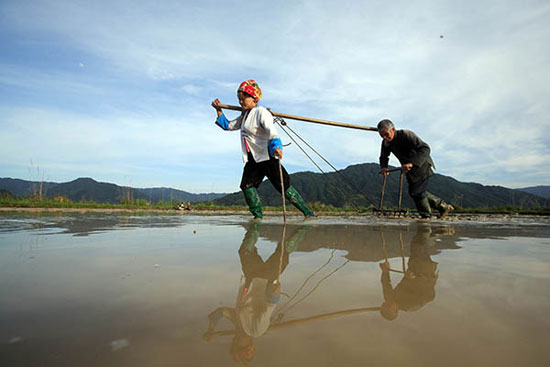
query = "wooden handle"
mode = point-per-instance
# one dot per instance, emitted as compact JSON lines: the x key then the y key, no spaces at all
{"x":306,"y":119}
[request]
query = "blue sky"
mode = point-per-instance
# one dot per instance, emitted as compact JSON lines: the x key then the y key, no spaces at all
{"x":120,"y":91}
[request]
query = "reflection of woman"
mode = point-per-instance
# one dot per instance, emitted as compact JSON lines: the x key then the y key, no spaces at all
{"x":418,"y":284}
{"x":261,"y":147}
{"x":258,"y":295}
{"x":259,"y":292}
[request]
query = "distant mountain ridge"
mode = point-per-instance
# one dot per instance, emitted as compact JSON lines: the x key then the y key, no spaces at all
{"x":87,"y":189}
{"x":331,"y":188}
{"x":540,"y":190}
{"x":328,"y":189}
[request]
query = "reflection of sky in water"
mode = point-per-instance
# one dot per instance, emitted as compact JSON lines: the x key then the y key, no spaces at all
{"x":137,"y":290}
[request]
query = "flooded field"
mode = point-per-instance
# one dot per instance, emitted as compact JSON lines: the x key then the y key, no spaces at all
{"x":160,"y":290}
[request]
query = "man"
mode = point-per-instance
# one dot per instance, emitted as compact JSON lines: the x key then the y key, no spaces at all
{"x":414,"y":156}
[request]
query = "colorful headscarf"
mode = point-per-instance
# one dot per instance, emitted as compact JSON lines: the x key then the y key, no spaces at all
{"x":252,"y":88}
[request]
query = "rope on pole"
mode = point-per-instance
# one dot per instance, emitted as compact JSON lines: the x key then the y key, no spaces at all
{"x":327,"y":162}
{"x":282,"y":123}
{"x":317,"y":286}
{"x":277,"y":120}
{"x":305,"y":282}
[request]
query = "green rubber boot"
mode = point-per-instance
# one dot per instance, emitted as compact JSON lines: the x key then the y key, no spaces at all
{"x":294,"y":197}
{"x":423,"y":207}
{"x":251,"y":237}
{"x":253,"y":201}
{"x":292,"y":243}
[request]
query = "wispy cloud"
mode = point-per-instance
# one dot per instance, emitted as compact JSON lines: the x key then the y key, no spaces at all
{"x":132,"y":82}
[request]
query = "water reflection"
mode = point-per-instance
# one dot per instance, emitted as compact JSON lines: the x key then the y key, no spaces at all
{"x":363,"y":244}
{"x":131,"y":297}
{"x":259,"y":294}
{"x":83,"y":224}
{"x":417,"y":286}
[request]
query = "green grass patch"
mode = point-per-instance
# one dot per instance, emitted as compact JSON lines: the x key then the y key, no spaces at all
{"x":8,"y":201}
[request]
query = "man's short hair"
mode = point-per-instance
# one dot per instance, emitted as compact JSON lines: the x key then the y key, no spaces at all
{"x":385,"y":125}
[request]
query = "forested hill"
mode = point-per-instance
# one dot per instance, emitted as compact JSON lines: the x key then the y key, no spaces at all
{"x":329,"y":189}
{"x":543,"y":191}
{"x":87,"y":189}
{"x":332,"y":189}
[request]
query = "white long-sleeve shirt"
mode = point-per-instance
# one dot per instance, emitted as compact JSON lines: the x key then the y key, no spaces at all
{"x":257,"y":130}
{"x":248,"y":304}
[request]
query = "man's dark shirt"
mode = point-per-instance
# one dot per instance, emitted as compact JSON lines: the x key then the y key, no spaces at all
{"x":408,"y":148}
{"x":414,"y":292}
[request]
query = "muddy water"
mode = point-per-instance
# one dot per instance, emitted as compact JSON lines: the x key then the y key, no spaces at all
{"x":114,"y":290}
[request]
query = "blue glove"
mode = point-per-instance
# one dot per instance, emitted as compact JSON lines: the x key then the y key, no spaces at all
{"x":274,"y":143}
{"x":222,"y":122}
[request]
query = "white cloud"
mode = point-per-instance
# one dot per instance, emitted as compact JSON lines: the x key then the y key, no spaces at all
{"x":470,"y":94}
{"x":119,"y":146}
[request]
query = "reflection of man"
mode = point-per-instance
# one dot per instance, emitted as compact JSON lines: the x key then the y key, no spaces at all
{"x":258,"y":295}
{"x":418,"y":284}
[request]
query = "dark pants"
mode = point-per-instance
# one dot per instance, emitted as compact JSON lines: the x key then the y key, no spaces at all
{"x":255,"y":267}
{"x":254,"y":174}
{"x":423,"y":199}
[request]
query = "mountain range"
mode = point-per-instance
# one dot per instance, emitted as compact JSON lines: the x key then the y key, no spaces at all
{"x":360,"y":185}
{"x":355,"y":186}
{"x":543,"y":191}
{"x":87,"y":189}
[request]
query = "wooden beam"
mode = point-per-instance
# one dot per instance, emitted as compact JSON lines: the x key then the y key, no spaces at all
{"x":307,"y":119}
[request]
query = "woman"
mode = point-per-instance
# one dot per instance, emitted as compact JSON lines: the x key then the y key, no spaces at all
{"x":261,"y":147}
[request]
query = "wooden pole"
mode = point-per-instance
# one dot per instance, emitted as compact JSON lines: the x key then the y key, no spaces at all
{"x":402,"y":252}
{"x":282,"y":192}
{"x":400,"y":191}
{"x":386,"y":253}
{"x":307,"y":119}
{"x":384,"y":245}
{"x":325,"y":316}
{"x":282,"y":251}
{"x":295,"y":322}
{"x":382,"y":192}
